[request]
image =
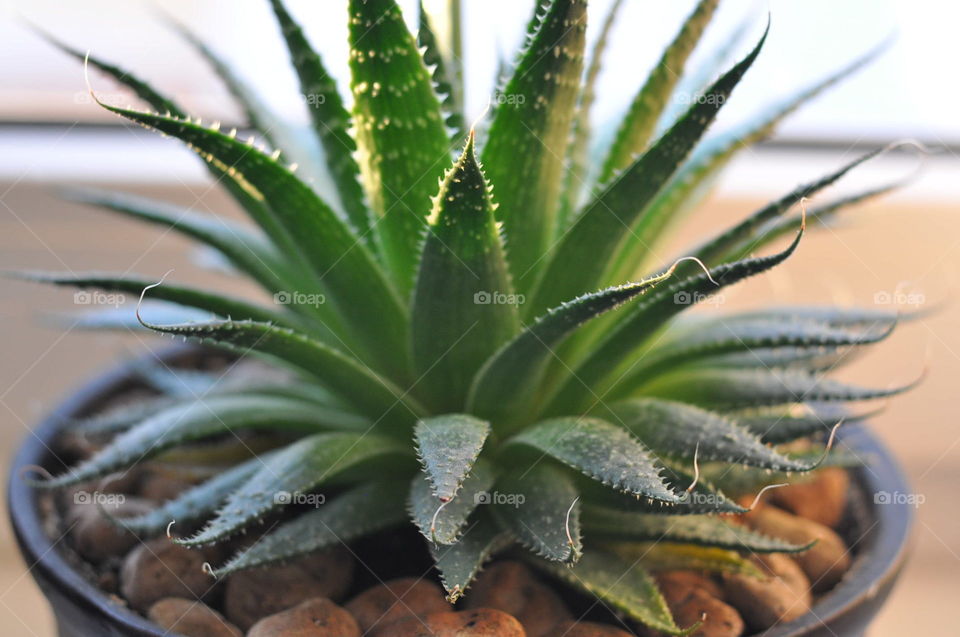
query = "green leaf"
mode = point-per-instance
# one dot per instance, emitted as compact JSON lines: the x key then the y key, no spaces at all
{"x":704,"y":498}
{"x":625,"y":586}
{"x":448,"y":81}
{"x":577,"y":170}
{"x":463,"y":303}
{"x":254,"y":205}
{"x":667,"y":556}
{"x":260,"y":117}
{"x":730,"y":335}
{"x":360,"y":291}
{"x":612,"y":356}
{"x":195,"y":503}
{"x":600,"y":450}
{"x":296,"y":469}
{"x":785,"y":423}
{"x":817,"y":216}
{"x":692,"y":182}
{"x":746,"y":232}
{"x":542,"y":511}
{"x":740,"y":388}
{"x":460,"y":562}
{"x":248,"y":252}
{"x":573,"y":267}
{"x":357,"y":512}
{"x":448,"y":446}
{"x":193,"y":421}
{"x":638,"y":125}
{"x":528,"y":138}
{"x":441,"y":521}
{"x":331,"y":122}
{"x":683,"y":431}
{"x":503,"y":389}
{"x":224,"y":306}
{"x":403,"y":146}
{"x":702,"y":530}
{"x":359,"y":385}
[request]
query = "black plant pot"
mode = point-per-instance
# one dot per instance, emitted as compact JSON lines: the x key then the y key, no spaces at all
{"x":879,"y":528}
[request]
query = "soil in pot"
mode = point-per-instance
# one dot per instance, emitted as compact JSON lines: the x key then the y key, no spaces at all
{"x":384,"y":585}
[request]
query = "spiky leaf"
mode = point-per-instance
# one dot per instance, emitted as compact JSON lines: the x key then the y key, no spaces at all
{"x":683,"y":431}
{"x":530,"y":132}
{"x":638,"y":125}
{"x":625,"y":586}
{"x":297,"y":469}
{"x":600,"y":450}
{"x":442,"y":521}
{"x":572,"y":267}
{"x":503,"y":387}
{"x":402,"y":143}
{"x":193,"y":421}
{"x":448,"y":446}
{"x":360,"y":291}
{"x":463,"y":303}
{"x":364,"y":389}
{"x":541,"y":510}
{"x":331,"y":121}
{"x":359,"y":511}
{"x":459,"y":563}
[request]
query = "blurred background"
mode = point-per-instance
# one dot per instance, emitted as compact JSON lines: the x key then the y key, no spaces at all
{"x":51,"y":133}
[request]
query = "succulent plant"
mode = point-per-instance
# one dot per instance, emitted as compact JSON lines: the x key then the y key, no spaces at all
{"x":483,"y":329}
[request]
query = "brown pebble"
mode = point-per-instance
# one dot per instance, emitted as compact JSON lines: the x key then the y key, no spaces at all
{"x":718,"y":618}
{"x":824,"y":563}
{"x":783,"y":595}
{"x":823,"y":499}
{"x":317,"y":617}
{"x":159,"y":568}
{"x":397,"y":599}
{"x":256,"y":593}
{"x":191,"y":618}
{"x":478,"y":622}
{"x":511,"y":587}
{"x":92,"y":534}
{"x":588,"y":629}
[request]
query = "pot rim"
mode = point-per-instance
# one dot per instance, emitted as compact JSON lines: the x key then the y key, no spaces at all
{"x":882,"y":550}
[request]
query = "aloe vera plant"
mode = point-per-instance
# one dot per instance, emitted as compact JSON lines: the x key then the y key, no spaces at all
{"x":484,"y":342}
